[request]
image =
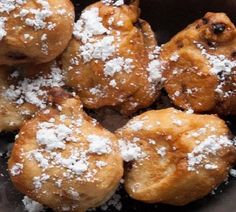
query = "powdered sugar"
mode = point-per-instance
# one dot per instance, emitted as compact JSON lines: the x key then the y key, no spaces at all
{"x":219,"y":63}
{"x":232,"y":172}
{"x":155,"y":67}
{"x":116,"y":3}
{"x":98,"y":144}
{"x":3,"y":33}
{"x":31,"y":205}
{"x":96,"y":90}
{"x":161,"y":151}
{"x":6,"y":6}
{"x":177,"y":122}
{"x":174,"y":57}
{"x":101,"y":164}
{"x":113,"y":83}
{"x":210,"y":166}
{"x":34,"y":91}
{"x":36,"y":18}
{"x":53,"y":136}
{"x":101,"y":49}
{"x":130,"y":150}
{"x":40,"y":180}
{"x":40,"y":16}
{"x":16,"y":169}
{"x":220,"y":66}
{"x":155,"y":71}
{"x":136,"y":125}
{"x":89,"y":25}
{"x":210,"y":146}
{"x":42,"y":161}
{"x":76,"y":162}
{"x":117,"y":65}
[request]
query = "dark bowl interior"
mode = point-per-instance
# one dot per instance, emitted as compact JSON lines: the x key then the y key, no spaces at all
{"x":166,"y":17}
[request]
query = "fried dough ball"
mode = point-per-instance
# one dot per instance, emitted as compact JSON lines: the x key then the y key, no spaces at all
{"x":26,"y":90}
{"x":65,"y":160}
{"x":34,"y":31}
{"x":201,"y":67}
{"x":175,"y":157}
{"x":107,"y":60}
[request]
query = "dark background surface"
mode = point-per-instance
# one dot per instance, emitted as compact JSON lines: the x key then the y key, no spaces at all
{"x":166,"y":17}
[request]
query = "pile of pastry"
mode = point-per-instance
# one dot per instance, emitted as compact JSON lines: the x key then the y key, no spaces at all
{"x":52,"y":68}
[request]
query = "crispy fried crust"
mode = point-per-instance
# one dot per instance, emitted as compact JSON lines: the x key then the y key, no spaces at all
{"x":198,"y":65}
{"x":66,"y":186}
{"x":183,"y":156}
{"x":29,"y":39}
{"x":128,"y":90}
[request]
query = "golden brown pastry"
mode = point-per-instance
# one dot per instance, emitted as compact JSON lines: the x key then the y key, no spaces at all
{"x":26,"y":90}
{"x":175,"y":157}
{"x":64,"y":159}
{"x":200,"y":66}
{"x":107,"y":61}
{"x":34,"y":31}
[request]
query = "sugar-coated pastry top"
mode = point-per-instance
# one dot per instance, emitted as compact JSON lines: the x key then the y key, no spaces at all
{"x":200,"y":65}
{"x":64,"y":159}
{"x":112,"y":59}
{"x":175,"y":157}
{"x":34,"y":30}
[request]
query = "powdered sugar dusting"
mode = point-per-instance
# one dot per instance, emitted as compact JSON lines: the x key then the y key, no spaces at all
{"x":3,"y":33}
{"x":174,"y":57}
{"x":219,"y":63}
{"x":40,"y":16}
{"x":210,"y":146}
{"x":232,"y":172}
{"x":136,"y":125}
{"x":130,"y":150}
{"x":34,"y":91}
{"x":98,"y":144}
{"x":155,"y":67}
{"x":161,"y":151}
{"x":32,"y":206}
{"x":118,"y":64}
{"x":16,"y":169}
{"x":101,"y":49}
{"x":116,"y":3}
{"x":88,"y":25}
{"x":221,"y":67}
{"x":53,"y":136}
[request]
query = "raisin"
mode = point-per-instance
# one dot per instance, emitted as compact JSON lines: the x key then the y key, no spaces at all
{"x":205,"y":21}
{"x":211,"y":44}
{"x":128,"y":2}
{"x":16,"y":56}
{"x":233,"y":54}
{"x":138,"y":24}
{"x":218,"y":28}
{"x":179,"y":44}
